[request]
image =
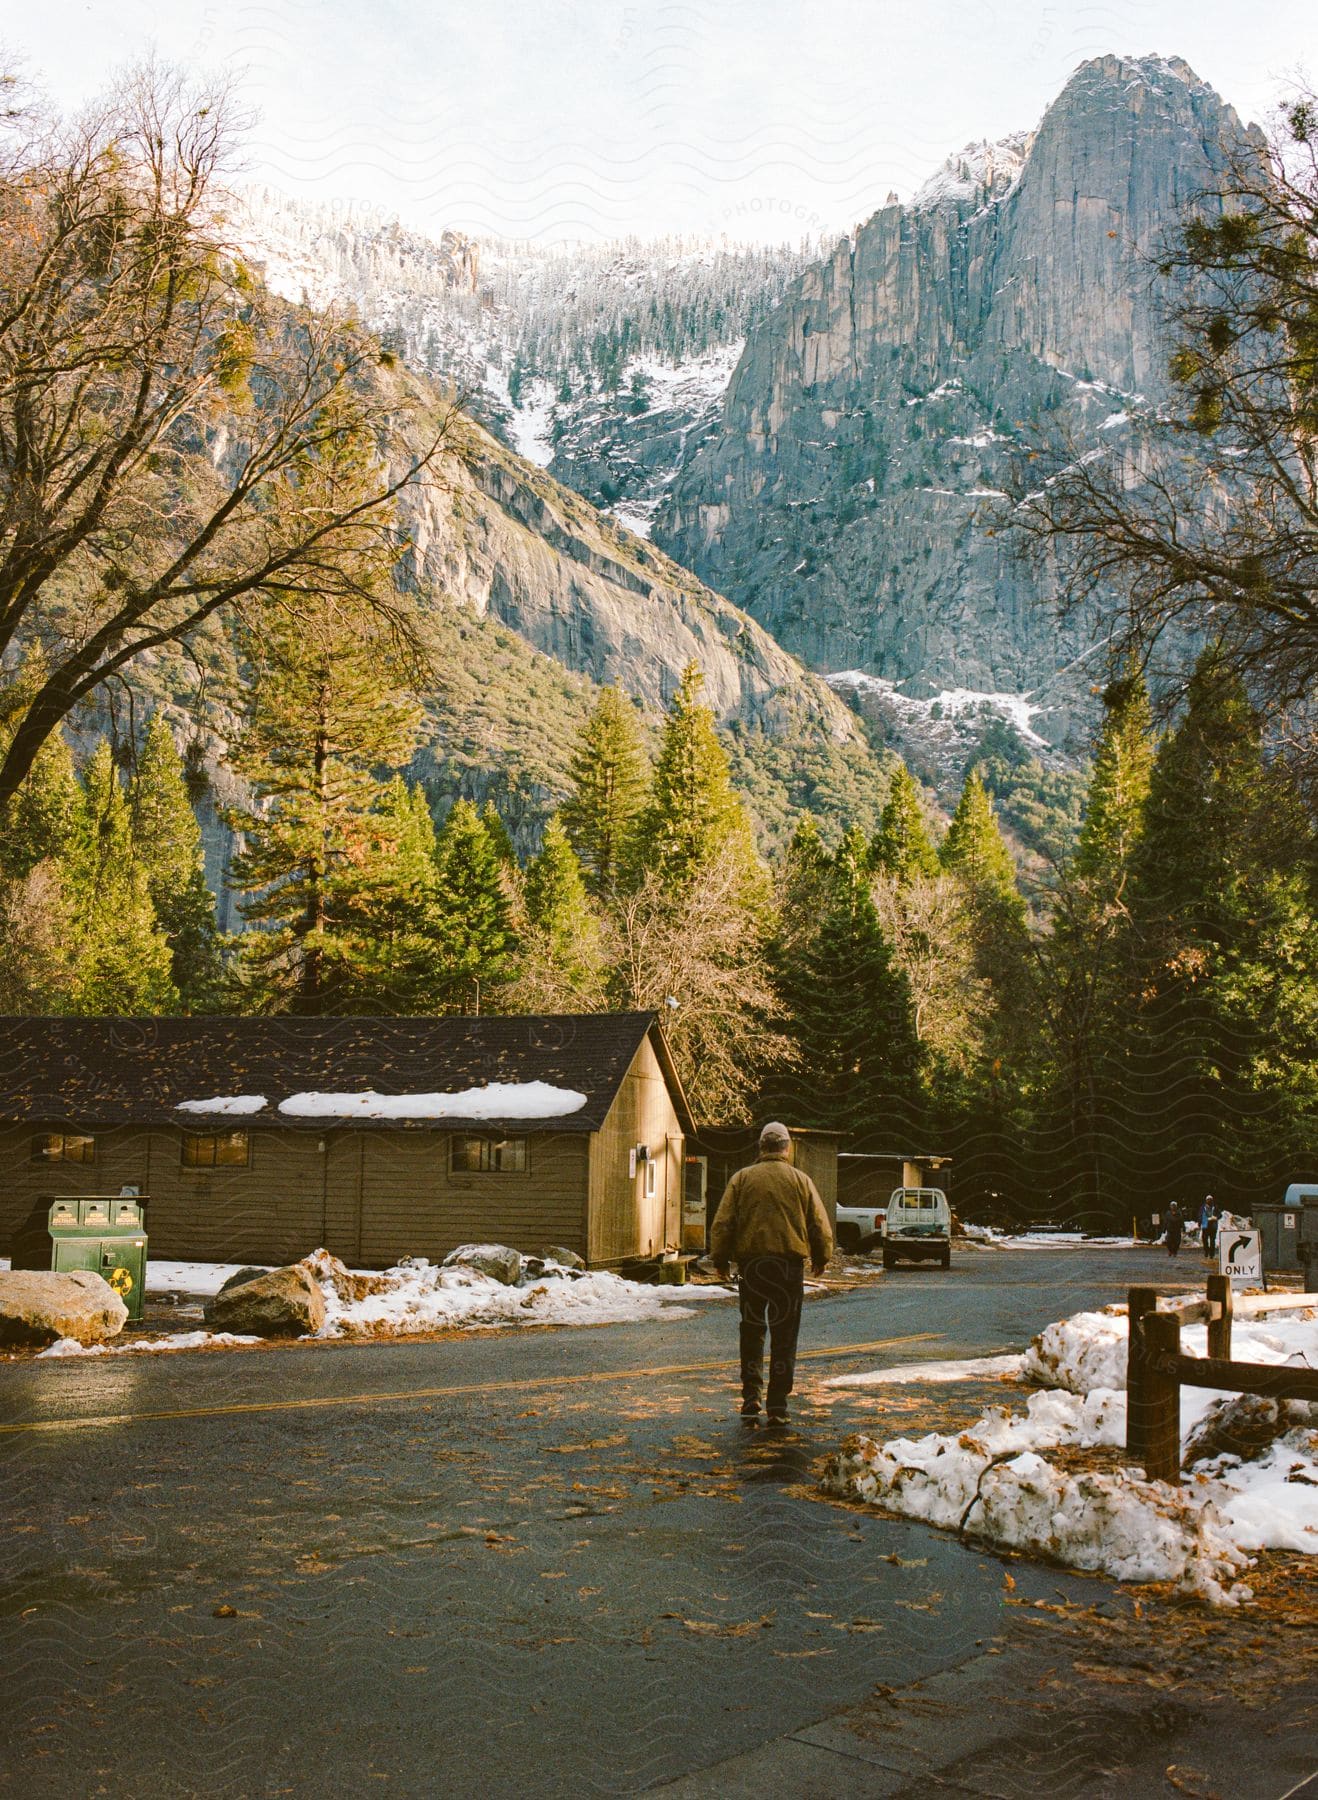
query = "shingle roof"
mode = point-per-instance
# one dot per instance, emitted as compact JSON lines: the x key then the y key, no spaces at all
{"x":121,"y":1071}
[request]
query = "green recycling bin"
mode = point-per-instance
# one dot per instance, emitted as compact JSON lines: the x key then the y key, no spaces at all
{"x":106,"y":1234}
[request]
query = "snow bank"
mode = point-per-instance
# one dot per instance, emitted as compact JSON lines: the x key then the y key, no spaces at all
{"x":1088,"y":1350}
{"x":496,"y":1100}
{"x":1084,"y":1352}
{"x":417,"y":1295}
{"x":178,"y":1340}
{"x":992,"y":1482}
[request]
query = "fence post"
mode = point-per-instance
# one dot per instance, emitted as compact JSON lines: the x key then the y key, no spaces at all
{"x":1139,"y":1302}
{"x":1219,"y":1316}
{"x":1162,"y":1399}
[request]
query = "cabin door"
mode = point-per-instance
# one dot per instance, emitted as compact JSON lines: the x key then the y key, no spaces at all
{"x":673,"y":1195}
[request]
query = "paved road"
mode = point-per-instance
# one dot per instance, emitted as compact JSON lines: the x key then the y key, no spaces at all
{"x":544,"y":1561}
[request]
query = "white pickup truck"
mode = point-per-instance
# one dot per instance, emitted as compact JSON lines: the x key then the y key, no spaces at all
{"x":859,"y":1228}
{"x":917,"y":1227}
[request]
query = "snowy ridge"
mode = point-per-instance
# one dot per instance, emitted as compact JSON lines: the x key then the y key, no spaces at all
{"x":951,"y":704}
{"x":980,"y":172}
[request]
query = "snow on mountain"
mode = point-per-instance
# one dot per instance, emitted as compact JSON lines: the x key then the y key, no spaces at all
{"x":602,"y":363}
{"x":939,"y":733}
{"x":981,"y":170}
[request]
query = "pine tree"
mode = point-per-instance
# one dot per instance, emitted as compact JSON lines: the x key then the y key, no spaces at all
{"x":902,"y":846}
{"x":499,"y":835}
{"x":608,"y":791}
{"x":1217,"y":875}
{"x":1087,"y":986}
{"x":846,"y":1007}
{"x":981,"y":1117}
{"x":693,"y":811}
{"x":42,"y":817}
{"x":394,"y":913}
{"x":326,"y":717}
{"x":167,"y":845}
{"x":561,"y":956}
{"x":475,"y":921}
{"x":122,"y":959}
{"x":1118,"y":788}
{"x":975,"y":850}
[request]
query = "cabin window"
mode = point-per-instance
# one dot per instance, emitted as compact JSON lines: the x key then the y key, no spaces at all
{"x":651,"y":1178}
{"x":488,"y":1156}
{"x":63,"y":1146}
{"x":216,"y":1150}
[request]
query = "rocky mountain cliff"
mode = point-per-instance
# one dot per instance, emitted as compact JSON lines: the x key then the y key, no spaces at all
{"x":851,"y":497}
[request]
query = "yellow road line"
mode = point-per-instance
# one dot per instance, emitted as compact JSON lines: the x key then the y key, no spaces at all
{"x":443,"y":1393}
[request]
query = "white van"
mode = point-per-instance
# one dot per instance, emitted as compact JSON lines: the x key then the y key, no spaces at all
{"x":917,"y":1227}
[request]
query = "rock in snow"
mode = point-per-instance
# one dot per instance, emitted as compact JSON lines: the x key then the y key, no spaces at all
{"x":282,"y":1303}
{"x":38,"y":1306}
{"x":566,"y":1259}
{"x":495,"y":1260}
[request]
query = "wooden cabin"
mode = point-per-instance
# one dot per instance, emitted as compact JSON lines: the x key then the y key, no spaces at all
{"x":257,"y":1140}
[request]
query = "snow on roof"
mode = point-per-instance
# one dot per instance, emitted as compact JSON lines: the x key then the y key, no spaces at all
{"x":496,"y":1100}
{"x":234,"y":1105}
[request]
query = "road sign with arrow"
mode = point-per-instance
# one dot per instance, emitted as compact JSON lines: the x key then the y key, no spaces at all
{"x":1240,"y":1256}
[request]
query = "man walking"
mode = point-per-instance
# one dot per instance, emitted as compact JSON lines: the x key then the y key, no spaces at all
{"x":769,"y":1220}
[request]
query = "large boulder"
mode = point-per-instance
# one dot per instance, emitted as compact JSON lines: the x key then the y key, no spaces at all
{"x":239,"y":1277}
{"x":38,"y":1306}
{"x":280,"y":1303}
{"x":495,"y":1260}
{"x":565,"y":1258}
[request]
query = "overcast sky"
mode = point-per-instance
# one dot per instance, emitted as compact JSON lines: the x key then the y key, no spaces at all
{"x":558,"y":119}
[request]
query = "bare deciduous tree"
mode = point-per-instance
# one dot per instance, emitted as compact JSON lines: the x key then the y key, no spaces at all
{"x":927,"y":923}
{"x":159,"y":412}
{"x":698,"y":959}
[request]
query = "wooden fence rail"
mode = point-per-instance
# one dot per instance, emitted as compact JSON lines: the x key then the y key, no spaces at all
{"x":1156,"y":1371}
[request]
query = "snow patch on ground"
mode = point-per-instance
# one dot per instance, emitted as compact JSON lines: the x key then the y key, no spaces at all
{"x":191,"y":1278}
{"x":969,"y":1368}
{"x":418,"y":1295}
{"x":238,"y":1106}
{"x":496,"y":1100}
{"x":178,"y":1340}
{"x":991,"y":1481}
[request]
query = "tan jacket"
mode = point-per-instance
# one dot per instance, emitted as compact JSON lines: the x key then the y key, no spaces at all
{"x":770,"y":1209}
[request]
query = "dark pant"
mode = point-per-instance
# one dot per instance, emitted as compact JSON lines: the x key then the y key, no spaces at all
{"x":771,"y":1293}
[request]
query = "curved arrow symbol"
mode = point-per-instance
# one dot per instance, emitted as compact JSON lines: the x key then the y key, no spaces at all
{"x":1240,"y":1243}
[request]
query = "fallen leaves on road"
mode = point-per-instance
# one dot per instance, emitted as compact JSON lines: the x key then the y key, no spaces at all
{"x":713,"y":1628}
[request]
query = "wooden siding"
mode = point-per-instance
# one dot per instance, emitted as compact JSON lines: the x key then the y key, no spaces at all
{"x":370,"y":1197}
{"x":623,"y":1222}
{"x":817,"y":1158}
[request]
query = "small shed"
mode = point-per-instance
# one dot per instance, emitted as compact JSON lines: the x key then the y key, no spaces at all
{"x":867,"y":1179}
{"x":716,"y":1152}
{"x":257,"y":1140}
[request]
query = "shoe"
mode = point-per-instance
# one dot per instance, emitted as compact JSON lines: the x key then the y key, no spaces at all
{"x":750,"y":1409}
{"x":776,"y":1418}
